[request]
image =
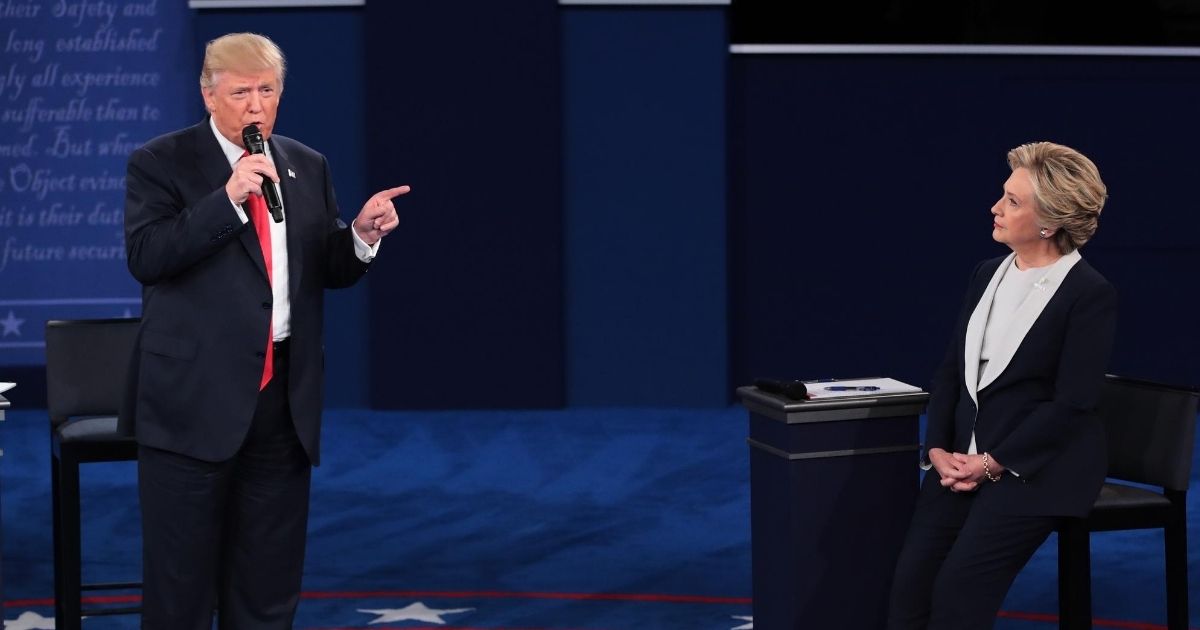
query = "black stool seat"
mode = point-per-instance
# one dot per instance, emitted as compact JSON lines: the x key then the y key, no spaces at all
{"x":90,"y":429}
{"x":93,"y":439}
{"x":1115,"y":497}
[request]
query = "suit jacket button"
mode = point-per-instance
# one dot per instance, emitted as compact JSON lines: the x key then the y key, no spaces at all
{"x":260,"y":354}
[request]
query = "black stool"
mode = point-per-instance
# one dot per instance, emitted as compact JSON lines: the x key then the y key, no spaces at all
{"x":86,"y":366}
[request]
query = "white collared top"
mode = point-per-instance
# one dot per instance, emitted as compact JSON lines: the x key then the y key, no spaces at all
{"x":978,"y":373}
{"x":1014,"y":287}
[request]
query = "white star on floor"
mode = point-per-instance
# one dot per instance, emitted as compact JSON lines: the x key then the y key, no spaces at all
{"x":29,"y":620}
{"x":749,"y":626}
{"x":413,"y":612}
{"x":12,"y":325}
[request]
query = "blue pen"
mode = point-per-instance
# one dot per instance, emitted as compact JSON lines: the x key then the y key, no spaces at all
{"x":851,"y":388}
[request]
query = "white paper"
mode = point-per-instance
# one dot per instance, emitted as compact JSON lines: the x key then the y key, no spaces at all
{"x":821,"y":390}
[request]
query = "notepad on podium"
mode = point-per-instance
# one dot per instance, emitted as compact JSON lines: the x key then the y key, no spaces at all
{"x":857,"y":388}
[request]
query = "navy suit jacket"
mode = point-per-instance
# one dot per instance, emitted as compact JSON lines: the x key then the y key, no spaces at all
{"x":1037,"y":417}
{"x":206,"y":299}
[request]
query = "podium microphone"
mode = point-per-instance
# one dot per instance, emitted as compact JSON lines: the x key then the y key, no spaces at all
{"x":792,"y":389}
{"x":253,"y":140}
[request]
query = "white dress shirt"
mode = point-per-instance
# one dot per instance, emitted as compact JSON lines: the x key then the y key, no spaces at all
{"x":281,"y":306}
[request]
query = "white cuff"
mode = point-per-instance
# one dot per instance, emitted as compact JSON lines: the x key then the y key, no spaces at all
{"x":240,"y":211}
{"x":364,"y":252}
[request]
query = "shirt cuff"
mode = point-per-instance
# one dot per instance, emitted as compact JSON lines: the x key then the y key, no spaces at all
{"x":364,"y":252}
{"x":240,"y":212}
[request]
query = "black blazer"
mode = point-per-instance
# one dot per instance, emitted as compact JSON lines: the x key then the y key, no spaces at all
{"x":1037,"y":417}
{"x":206,"y":300}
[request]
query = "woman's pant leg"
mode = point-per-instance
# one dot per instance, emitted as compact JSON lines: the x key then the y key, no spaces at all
{"x":935,"y":527}
{"x":991,"y":550}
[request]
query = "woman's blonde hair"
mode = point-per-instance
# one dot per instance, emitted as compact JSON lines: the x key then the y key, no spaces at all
{"x":1067,"y":188}
{"x":243,"y":53}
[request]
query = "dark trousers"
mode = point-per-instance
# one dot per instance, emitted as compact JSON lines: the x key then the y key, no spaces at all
{"x":227,"y":535}
{"x":959,"y":559}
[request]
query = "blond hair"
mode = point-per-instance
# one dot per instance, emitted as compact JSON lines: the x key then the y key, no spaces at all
{"x":1067,"y":189}
{"x":243,"y":53}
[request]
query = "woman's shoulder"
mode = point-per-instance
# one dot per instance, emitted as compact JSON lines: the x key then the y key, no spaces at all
{"x":1087,"y":276}
{"x":1084,"y":285}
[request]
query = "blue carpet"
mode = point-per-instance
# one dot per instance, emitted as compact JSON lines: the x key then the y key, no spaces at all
{"x":555,"y":520}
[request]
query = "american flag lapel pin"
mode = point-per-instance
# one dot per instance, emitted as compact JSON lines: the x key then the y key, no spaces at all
{"x":291,"y":173}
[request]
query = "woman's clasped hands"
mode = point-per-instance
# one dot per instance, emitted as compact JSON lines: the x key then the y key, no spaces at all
{"x":962,"y":472}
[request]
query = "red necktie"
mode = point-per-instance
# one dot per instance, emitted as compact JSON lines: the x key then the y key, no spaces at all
{"x":262,"y":225}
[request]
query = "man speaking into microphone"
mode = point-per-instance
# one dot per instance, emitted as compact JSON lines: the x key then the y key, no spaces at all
{"x":225,"y":387}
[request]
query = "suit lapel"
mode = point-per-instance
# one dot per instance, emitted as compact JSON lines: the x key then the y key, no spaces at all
{"x":210,"y":157}
{"x":1027,"y":313}
{"x":215,"y":167}
{"x":975,"y":326}
{"x":283,"y":166}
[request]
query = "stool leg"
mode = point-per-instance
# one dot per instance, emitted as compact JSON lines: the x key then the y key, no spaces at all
{"x":56,"y":518}
{"x":1074,"y":576}
{"x":67,"y":554}
{"x":1175,"y":534}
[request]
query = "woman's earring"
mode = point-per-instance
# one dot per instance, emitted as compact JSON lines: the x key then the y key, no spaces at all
{"x":1044,"y":233}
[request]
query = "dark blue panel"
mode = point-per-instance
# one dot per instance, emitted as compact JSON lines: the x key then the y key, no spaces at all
{"x":645,"y":196}
{"x":861,"y":189}
{"x":322,"y":107}
{"x":466,"y":301}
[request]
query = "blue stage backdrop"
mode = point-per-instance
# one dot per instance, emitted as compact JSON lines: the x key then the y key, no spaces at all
{"x":463,"y":103}
{"x":861,"y":188}
{"x":81,"y":86}
{"x":644,"y":206}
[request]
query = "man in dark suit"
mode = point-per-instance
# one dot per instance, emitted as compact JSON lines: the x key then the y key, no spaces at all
{"x":225,"y":387}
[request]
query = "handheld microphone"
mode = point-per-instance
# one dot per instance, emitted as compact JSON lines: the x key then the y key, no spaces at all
{"x":253,"y":140}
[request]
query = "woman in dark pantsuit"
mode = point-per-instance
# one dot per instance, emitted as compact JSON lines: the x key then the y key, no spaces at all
{"x":1013,"y":442}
